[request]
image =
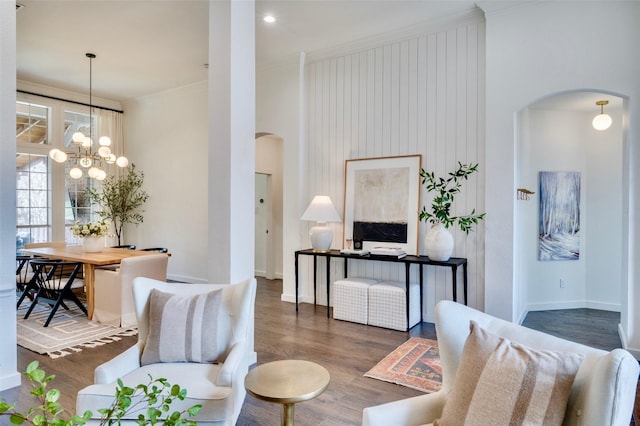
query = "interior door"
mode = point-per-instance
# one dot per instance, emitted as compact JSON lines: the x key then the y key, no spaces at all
{"x":263,"y":209}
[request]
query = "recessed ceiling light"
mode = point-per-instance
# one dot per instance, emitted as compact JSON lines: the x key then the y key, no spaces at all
{"x":270,"y":19}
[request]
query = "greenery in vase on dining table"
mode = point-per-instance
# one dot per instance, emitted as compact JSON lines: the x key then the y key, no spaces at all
{"x":98,"y":229}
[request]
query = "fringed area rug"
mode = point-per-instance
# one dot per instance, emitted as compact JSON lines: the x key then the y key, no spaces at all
{"x":415,"y":364}
{"x":67,"y":333}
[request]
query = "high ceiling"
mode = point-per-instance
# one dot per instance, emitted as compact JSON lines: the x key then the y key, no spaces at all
{"x":147,"y":46}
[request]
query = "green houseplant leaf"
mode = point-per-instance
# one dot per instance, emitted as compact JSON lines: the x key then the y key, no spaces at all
{"x":445,"y":192}
{"x":153,"y":400}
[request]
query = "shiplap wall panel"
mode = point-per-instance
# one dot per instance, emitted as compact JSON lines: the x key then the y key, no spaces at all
{"x":423,"y":95}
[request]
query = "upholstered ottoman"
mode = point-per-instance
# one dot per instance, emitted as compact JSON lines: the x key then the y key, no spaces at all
{"x":387,"y":303}
{"x":351,"y":299}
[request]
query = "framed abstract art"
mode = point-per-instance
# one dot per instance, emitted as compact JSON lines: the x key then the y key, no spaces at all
{"x":382,"y":198}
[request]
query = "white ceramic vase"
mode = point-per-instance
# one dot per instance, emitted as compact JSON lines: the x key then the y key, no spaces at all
{"x":92,"y":244}
{"x":438,"y":243}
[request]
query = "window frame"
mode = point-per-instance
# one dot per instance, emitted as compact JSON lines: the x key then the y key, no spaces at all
{"x":55,"y":139}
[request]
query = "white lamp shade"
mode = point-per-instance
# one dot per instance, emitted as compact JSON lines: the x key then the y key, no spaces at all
{"x":78,"y":138}
{"x":75,"y":172}
{"x":122,"y":161}
{"x":321,"y":210}
{"x":104,"y":141}
{"x":602,"y":122}
{"x":104,"y":152}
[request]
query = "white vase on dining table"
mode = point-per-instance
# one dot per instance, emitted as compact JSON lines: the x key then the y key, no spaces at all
{"x":92,"y":244}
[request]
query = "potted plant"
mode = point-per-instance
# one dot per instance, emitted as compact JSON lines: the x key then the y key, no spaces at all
{"x":156,"y":396}
{"x":438,"y":240}
{"x":92,"y":234}
{"x":121,"y":199}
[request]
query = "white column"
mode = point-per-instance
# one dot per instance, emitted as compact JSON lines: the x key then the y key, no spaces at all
{"x":231,"y":140}
{"x":9,"y":376}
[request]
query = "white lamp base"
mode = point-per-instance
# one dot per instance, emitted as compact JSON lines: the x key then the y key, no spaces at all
{"x":321,"y":237}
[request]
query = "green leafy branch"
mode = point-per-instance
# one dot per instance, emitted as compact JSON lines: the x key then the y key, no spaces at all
{"x":48,"y":410}
{"x":157,"y":396}
{"x":446,"y":190}
{"x":121,"y":199}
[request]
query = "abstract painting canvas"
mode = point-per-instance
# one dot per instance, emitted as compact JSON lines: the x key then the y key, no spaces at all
{"x":559,"y":221}
{"x":381,"y":201}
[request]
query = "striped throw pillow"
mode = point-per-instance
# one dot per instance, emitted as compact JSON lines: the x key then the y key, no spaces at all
{"x":182,"y":328}
{"x":500,"y":382}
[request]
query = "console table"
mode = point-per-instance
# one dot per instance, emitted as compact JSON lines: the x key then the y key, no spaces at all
{"x":452,"y":263}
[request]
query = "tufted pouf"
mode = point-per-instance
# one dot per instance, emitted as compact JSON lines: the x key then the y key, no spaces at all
{"x":351,"y":299}
{"x":387,"y":303}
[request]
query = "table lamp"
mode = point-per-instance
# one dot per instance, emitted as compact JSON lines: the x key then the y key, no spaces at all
{"x":321,"y":210}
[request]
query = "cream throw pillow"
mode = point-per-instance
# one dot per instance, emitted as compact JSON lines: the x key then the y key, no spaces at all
{"x":182,"y":328}
{"x":500,"y":382}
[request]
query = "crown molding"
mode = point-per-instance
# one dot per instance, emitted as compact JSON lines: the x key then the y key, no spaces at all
{"x":501,"y":7}
{"x":43,"y":90}
{"x":417,"y":30}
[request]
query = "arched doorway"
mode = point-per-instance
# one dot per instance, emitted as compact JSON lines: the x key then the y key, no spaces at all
{"x":269,"y":218}
{"x":555,"y":134}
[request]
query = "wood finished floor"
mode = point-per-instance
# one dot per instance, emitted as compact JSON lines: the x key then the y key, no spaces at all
{"x":346,"y":349}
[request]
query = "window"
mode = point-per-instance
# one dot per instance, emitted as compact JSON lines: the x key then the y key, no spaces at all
{"x":33,"y":211}
{"x":77,"y":206}
{"x":48,"y":200}
{"x":32,"y":123}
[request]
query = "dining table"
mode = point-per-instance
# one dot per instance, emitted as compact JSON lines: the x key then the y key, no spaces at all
{"x":75,"y":253}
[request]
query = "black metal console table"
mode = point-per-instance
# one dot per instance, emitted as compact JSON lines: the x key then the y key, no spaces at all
{"x":452,"y":263}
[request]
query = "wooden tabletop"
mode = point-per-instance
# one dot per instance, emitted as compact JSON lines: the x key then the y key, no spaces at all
{"x":107,"y":256}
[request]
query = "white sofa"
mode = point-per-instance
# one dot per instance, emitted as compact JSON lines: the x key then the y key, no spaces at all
{"x":602,"y":394}
{"x":219,"y":387}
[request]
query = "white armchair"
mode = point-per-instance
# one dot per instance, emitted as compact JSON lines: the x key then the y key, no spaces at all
{"x":219,"y":387}
{"x":113,"y":292}
{"x":603,"y":392}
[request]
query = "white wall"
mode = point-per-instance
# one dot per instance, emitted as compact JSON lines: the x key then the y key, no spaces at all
{"x":560,"y":140}
{"x":166,"y":138}
{"x":533,"y":51}
{"x":420,"y":95}
{"x":278,"y":112}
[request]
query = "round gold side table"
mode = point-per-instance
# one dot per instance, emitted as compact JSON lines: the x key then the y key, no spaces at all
{"x":287,"y":382}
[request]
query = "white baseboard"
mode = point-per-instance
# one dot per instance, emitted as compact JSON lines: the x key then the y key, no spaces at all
{"x":625,"y":344}
{"x":9,"y":381}
{"x":301,"y":299}
{"x":575,"y":304}
{"x":186,"y":279}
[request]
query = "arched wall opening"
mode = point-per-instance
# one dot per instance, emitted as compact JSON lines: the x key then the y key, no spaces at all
{"x":555,"y":134}
{"x":269,"y":170}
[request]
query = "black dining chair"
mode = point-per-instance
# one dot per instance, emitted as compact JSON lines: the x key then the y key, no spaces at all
{"x":126,"y":246}
{"x":55,"y":281}
{"x":24,"y":276}
{"x":158,"y":249}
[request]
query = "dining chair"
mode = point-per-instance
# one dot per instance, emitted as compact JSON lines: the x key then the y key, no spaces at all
{"x":126,"y":246}
{"x":158,"y":249}
{"x":55,"y":281}
{"x":113,"y":289}
{"x":24,"y":276}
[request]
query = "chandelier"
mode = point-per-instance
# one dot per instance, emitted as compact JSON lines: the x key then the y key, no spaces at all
{"x":84,"y":156}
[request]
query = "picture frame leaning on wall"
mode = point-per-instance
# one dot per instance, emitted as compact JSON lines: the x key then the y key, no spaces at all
{"x":381,"y":202}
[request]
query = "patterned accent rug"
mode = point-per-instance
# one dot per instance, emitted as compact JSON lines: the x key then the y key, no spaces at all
{"x":67,"y":333}
{"x":415,"y":364}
